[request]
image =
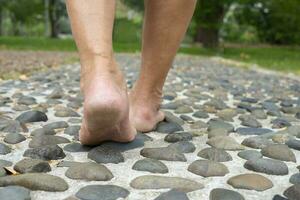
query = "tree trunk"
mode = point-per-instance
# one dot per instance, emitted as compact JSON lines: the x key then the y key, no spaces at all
{"x":53,"y":19}
{"x":209,"y":17}
{"x":46,"y":17}
{"x":208,"y":37}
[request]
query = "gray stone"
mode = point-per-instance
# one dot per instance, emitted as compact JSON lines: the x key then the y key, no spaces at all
{"x":66,"y":112}
{"x":164,"y":182}
{"x":295,"y":178}
{"x":178,"y":136}
{"x":102,"y":154}
{"x":172,"y":195}
{"x":253,"y":131}
{"x":72,"y":130}
{"x":256,"y":142}
{"x":279,"y":152}
{"x":42,"y":131}
{"x":14,"y":193}
{"x":14,"y":138}
{"x":293,"y":192}
{"x":218,"y":155}
{"x":294,"y":144}
{"x":10,"y":126}
{"x":28,"y":165}
{"x":5,"y":163}
{"x":208,"y":168}
{"x":250,"y":154}
{"x":267,"y":166}
{"x":89,"y":172}
{"x":183,"y":147}
{"x":36,"y":181}
{"x":76,"y":147}
{"x":168,"y":127}
{"x":200,"y":114}
{"x":249,"y":120}
{"x":44,"y":140}
{"x":250,"y":182}
{"x":4,"y":149}
{"x":53,"y":152}
{"x":219,"y":124}
{"x":199,"y":125}
{"x":103,"y":192}
{"x":25,"y":100}
{"x":224,"y":194}
{"x":183,"y":109}
{"x":169,"y":117}
{"x":150,"y":165}
{"x":226,"y":143}
{"x":163,"y":153}
{"x":56,"y":125}
{"x":32,"y":116}
{"x":217,"y":132}
{"x":259,"y":114}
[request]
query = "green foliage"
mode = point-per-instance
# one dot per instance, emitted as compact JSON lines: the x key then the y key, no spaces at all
{"x":137,"y":5}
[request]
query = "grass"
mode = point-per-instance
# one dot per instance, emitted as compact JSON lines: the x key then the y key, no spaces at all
{"x":271,"y":57}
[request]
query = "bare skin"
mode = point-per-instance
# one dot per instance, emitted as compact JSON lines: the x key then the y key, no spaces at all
{"x":107,"y":115}
{"x":106,"y":104}
{"x":164,"y":27}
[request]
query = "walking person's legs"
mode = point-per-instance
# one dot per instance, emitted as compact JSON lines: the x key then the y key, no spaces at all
{"x":165,"y":24}
{"x":106,"y":105}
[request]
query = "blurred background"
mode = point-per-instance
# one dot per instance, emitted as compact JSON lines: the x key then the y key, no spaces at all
{"x":37,"y":33}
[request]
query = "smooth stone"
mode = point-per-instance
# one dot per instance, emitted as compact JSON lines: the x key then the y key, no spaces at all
{"x":102,"y":154}
{"x":170,"y":117}
{"x":72,"y":130}
{"x":183,"y":110}
{"x":295,"y":179}
{"x":172,"y":195}
{"x":279,"y":152}
{"x":138,"y":142}
{"x":66,"y":163}
{"x":201,"y":114}
{"x":163,"y":153}
{"x":56,"y":125}
{"x":2,"y":172}
{"x":267,"y":166}
{"x":216,"y":103}
{"x":5,"y":163}
{"x":227,"y":114}
{"x":164,"y":182}
{"x":26,"y":100}
{"x":252,"y":131}
{"x":294,"y":144}
{"x":75,"y":120}
{"x":250,"y":154}
{"x":278,"y":197}
{"x":28,"y":165}
{"x":66,"y":112}
{"x":10,"y":126}
{"x":297,"y":115}
{"x":44,"y":140}
{"x":280,"y":123}
{"x":293,"y":192}
{"x":57,"y":93}
{"x":150,"y":165}
{"x":224,"y":194}
{"x":187,"y":118}
{"x":214,"y":154}
{"x":219,"y":124}
{"x":168,"y":127}
{"x":259,"y":114}
{"x":14,"y":138}
{"x":217,"y":132}
{"x":250,"y":121}
{"x":4,"y":149}
{"x":76,"y":147}
{"x":32,"y":116}
{"x":14,"y":193}
{"x":36,"y":181}
{"x":103,"y":192}
{"x":42,"y":131}
{"x":53,"y":152}
{"x":89,"y":172}
{"x":281,"y":138}
{"x":208,"y":168}
{"x":250,"y":182}
{"x":178,"y":136}
{"x":226,"y":143}
{"x":183,"y":147}
{"x":199,"y":125}
{"x":256,"y":142}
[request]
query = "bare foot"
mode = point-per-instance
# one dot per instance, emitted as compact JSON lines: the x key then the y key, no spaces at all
{"x":106,"y":105}
{"x":144,"y":109}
